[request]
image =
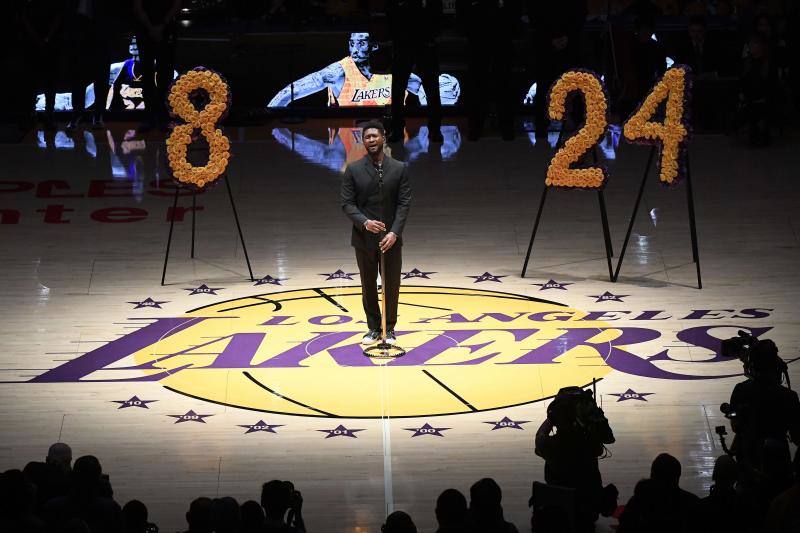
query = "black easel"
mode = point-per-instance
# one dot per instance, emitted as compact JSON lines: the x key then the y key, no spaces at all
{"x":603,"y":217}
{"x":692,"y":223}
{"x":194,"y":205}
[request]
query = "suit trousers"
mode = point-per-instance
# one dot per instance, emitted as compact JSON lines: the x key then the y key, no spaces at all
{"x":368,"y":268}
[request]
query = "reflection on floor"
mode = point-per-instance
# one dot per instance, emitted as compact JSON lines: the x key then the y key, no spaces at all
{"x":213,"y":384}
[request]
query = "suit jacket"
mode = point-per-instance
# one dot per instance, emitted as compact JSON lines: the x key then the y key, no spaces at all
{"x":361,"y":199}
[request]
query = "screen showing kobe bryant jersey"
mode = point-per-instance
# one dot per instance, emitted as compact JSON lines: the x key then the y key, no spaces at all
{"x":351,"y":141}
{"x":127,"y":88}
{"x":357,"y":90}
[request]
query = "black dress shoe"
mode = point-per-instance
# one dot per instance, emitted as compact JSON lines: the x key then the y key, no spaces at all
{"x":371,"y":337}
{"x":390,"y":338}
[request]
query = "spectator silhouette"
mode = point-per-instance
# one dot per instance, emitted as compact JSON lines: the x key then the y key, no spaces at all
{"x":89,"y":26}
{"x":252,"y":517}
{"x":199,"y":516}
{"x":134,"y":518}
{"x":648,"y":58}
{"x":17,"y":504}
{"x":557,"y":28}
{"x":486,"y":510}
{"x":156,"y":28}
{"x":283,"y":507}
{"x":643,"y":8}
{"x":51,"y":477}
{"x":225,"y":515}
{"x":489,"y":26}
{"x":699,"y":50}
{"x":773,"y":478}
{"x":88,"y":499}
{"x":414,"y":26}
{"x":399,"y":522}
{"x":75,"y":525}
{"x":658,"y":504}
{"x":724,"y":509}
{"x":451,"y":512}
{"x":40,"y":21}
{"x":784,"y":511}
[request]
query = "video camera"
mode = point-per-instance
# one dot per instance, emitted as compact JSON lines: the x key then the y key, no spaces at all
{"x":575,"y":408}
{"x":759,"y":357}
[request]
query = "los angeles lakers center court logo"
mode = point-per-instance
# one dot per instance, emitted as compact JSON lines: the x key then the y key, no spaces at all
{"x":297,"y":352}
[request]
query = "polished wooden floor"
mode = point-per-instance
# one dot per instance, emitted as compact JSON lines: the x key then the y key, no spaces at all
{"x":83,"y":237}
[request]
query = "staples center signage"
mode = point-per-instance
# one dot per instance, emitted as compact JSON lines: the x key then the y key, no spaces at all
{"x":297,"y":352}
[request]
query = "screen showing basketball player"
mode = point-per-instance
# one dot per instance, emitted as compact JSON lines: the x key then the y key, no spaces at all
{"x":125,"y":87}
{"x":350,"y":82}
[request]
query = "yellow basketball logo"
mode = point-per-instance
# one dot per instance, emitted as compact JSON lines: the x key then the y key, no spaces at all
{"x":298,"y":352}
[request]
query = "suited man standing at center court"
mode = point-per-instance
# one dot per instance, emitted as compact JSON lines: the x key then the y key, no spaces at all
{"x":376,"y":197}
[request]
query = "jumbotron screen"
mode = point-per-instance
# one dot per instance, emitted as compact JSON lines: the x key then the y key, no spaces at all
{"x":125,"y":87}
{"x":350,"y":82}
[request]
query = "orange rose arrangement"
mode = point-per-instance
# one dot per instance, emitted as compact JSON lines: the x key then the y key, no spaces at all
{"x":673,"y":133}
{"x":560,"y":173}
{"x":205,"y":120}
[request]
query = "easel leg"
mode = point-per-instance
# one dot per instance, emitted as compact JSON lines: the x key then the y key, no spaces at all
{"x":239,"y":227}
{"x":169,"y":237}
{"x":194,"y":205}
{"x":533,"y":233}
{"x":692,"y":223}
{"x":635,"y":211}
{"x":606,"y":233}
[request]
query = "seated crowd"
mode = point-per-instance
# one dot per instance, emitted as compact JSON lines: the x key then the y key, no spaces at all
{"x":59,"y":496}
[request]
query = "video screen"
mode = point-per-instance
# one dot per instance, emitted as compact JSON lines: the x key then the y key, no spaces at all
{"x":125,"y":87}
{"x":350,"y":82}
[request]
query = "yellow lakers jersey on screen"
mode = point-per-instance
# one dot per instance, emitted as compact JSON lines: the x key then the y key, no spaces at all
{"x":357,"y":90}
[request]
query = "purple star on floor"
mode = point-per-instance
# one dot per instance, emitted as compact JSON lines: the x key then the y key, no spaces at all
{"x":147,"y":302}
{"x":204,"y":289}
{"x":487,"y":277}
{"x":427,"y":429}
{"x":631,"y":395}
{"x":340,"y":431}
{"x":269,"y":280}
{"x":133,"y":402}
{"x":416,"y":273}
{"x":339,"y":274}
{"x":507,"y":423}
{"x":260,"y":426}
{"x":190,"y":416}
{"x":552,"y":285}
{"x":608,"y":297}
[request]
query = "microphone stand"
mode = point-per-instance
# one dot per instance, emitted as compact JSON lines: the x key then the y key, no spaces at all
{"x":383,"y":258}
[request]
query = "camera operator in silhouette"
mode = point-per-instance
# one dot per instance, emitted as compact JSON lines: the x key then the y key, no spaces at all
{"x":763,"y":410}
{"x":571,"y":454}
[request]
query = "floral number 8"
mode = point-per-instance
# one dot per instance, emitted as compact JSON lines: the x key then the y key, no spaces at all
{"x":559,"y":172}
{"x":204,"y":120}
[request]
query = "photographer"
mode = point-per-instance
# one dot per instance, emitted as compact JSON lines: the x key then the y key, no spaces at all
{"x":571,"y":453}
{"x":761,"y":409}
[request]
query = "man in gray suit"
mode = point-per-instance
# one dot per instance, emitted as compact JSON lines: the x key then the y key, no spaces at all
{"x":376,"y":195}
